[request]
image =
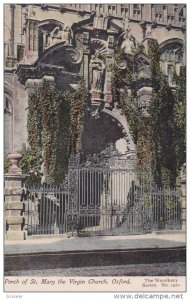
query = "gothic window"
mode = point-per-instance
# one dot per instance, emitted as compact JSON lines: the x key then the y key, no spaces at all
{"x":111,"y":41}
{"x":176,"y":15}
{"x":153,"y":12}
{"x":182,"y":16}
{"x":124,"y":11}
{"x":101,"y":8}
{"x":179,"y":56}
{"x":137,"y":11}
{"x":136,"y":6}
{"x":112,"y":9}
{"x":8,"y":123}
{"x":97,"y":8}
{"x":159,"y":17}
{"x":182,"y":12}
{"x":165,"y":12}
{"x":31,"y":36}
{"x":85,"y":37}
{"x":35,"y":36}
{"x":20,"y":53}
{"x":172,"y":52}
{"x":171,"y":73}
{"x":170,"y":19}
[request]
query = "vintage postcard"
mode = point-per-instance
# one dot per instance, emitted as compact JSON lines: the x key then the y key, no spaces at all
{"x":95,"y":147}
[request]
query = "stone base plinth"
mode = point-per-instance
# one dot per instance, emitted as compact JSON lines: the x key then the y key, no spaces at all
{"x":13,"y":235}
{"x":96,"y":98}
{"x":14,"y":192}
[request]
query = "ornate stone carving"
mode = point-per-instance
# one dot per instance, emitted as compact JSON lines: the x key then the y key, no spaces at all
{"x":72,"y":55}
{"x":59,"y":35}
{"x":116,"y":163}
{"x":148,"y":33}
{"x":126,"y":25}
{"x":122,"y":64}
{"x":97,"y":68}
{"x":129,"y":42}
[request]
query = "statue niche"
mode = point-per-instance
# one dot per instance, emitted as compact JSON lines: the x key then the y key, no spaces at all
{"x":97,"y":74}
{"x":97,"y":68}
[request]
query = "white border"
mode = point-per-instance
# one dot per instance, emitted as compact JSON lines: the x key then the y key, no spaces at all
{"x":84,"y":296}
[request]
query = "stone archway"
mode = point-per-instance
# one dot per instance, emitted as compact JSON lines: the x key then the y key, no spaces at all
{"x":107,"y":128}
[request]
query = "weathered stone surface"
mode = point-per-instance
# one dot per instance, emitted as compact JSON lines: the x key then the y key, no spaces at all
{"x":12,"y":183}
{"x":14,"y":205}
{"x":15,"y":235}
{"x":14,"y":213}
{"x":14,"y":191}
{"x":14,"y":220}
{"x":13,"y":198}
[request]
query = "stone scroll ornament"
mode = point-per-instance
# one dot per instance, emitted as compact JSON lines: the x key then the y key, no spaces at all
{"x":72,"y":55}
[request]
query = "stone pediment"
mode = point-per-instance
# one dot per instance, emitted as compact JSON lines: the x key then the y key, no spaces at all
{"x":59,"y":60}
{"x":61,"y":55}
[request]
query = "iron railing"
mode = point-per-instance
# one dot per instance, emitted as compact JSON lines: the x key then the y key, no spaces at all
{"x":102,"y":201}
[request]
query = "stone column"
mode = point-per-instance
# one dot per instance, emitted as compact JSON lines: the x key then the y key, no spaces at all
{"x":31,"y":53}
{"x":86,"y":67}
{"x":11,"y":59}
{"x":14,"y":195}
{"x":12,"y":8}
{"x":183,"y":198}
{"x":107,"y":86}
{"x":109,"y":61}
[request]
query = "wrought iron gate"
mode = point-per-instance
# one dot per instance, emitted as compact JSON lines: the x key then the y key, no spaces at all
{"x":102,"y":197}
{"x":109,"y":197}
{"x":45,"y":210}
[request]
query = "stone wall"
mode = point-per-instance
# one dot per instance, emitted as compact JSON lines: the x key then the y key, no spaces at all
{"x":33,"y":22}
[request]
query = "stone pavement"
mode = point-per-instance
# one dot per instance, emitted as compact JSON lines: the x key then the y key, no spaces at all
{"x":63,"y":243}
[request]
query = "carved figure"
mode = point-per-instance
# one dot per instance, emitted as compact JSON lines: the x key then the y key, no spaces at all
{"x":97,"y":72}
{"x":128,"y":44}
{"x":58,"y":35}
{"x":148,"y":31}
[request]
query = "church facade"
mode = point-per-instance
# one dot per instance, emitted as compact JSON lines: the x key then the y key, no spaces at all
{"x":65,"y":43}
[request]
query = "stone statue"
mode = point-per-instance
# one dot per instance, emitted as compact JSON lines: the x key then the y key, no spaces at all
{"x":126,"y":25}
{"x":128,"y":44}
{"x":97,"y":72}
{"x":148,"y":33}
{"x":66,"y":35}
{"x":58,"y":35}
